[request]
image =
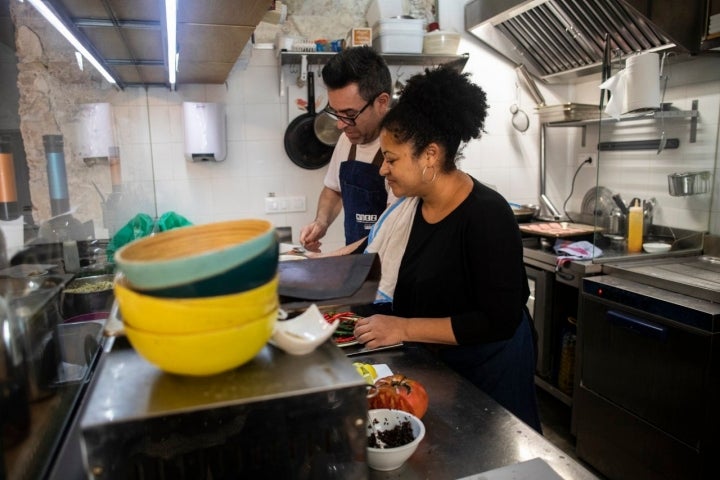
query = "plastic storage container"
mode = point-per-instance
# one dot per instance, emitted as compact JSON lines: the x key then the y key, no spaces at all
{"x":441,"y":42}
{"x":380,"y":9}
{"x":398,"y":35}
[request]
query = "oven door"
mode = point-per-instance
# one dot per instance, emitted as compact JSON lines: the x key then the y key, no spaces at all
{"x":650,"y":366}
{"x":645,"y":406}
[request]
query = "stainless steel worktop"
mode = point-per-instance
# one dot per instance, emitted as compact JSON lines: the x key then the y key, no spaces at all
{"x":467,"y":431}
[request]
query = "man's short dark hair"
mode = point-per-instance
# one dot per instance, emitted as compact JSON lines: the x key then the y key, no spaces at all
{"x":361,"y":65}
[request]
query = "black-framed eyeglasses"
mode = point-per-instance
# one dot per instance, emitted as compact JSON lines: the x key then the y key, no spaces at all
{"x":349,"y":120}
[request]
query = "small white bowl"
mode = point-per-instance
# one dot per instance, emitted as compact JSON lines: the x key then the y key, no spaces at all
{"x":656,"y":247}
{"x":303,"y":334}
{"x":385,"y":459}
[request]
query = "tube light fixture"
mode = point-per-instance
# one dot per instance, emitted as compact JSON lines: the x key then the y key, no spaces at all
{"x":171,"y":25}
{"x":55,"y":21}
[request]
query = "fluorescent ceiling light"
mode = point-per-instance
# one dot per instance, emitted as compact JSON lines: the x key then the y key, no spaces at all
{"x":171,"y":25}
{"x":65,"y":31}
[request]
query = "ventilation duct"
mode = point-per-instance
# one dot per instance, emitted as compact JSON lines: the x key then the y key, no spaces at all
{"x":558,"y":40}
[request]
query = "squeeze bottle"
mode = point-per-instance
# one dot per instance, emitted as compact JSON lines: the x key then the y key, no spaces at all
{"x":635,"y":228}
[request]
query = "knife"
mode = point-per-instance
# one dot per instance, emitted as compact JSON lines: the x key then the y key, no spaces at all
{"x":606,"y":70}
{"x":363,"y":351}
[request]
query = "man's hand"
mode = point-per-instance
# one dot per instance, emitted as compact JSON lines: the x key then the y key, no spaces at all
{"x":311,"y":234}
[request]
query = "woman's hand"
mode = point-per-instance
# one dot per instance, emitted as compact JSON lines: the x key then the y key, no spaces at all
{"x":380,"y":330}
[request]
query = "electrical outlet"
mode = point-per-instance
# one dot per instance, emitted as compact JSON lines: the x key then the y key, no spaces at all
{"x":582,"y":157}
{"x":285,"y":204}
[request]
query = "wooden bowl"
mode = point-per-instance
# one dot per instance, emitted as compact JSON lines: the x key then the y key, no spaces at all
{"x":178,"y":259}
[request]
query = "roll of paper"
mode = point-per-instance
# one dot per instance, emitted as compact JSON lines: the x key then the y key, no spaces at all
{"x":642,"y":87}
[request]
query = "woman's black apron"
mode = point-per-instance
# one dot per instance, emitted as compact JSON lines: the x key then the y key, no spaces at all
{"x":363,"y":194}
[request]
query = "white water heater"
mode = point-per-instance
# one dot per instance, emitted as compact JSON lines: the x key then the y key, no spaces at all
{"x":205,"y":131}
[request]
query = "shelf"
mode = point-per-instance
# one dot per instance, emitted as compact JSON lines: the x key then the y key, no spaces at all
{"x":629,"y":117}
{"x":553,"y":390}
{"x":395,"y":59}
{"x":319,"y":58}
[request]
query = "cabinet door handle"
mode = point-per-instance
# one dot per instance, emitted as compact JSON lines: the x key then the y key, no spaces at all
{"x":637,"y":325}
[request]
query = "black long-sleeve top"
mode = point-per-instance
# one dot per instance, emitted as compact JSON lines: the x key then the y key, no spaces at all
{"x":468,"y":266}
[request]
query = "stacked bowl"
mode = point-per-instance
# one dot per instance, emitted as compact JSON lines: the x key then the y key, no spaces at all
{"x":202,"y":299}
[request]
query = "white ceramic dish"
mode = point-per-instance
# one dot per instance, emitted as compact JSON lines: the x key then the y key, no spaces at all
{"x":385,"y":459}
{"x":303,"y":334}
{"x":656,"y":247}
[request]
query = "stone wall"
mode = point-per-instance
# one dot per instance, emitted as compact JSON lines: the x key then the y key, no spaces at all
{"x":51,"y":86}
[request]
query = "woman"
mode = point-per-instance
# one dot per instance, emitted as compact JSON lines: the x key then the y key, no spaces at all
{"x":460,"y":284}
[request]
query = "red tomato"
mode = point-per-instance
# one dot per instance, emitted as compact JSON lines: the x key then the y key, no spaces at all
{"x":400,"y":393}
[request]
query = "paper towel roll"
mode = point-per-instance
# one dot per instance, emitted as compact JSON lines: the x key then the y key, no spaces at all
{"x":642,"y":87}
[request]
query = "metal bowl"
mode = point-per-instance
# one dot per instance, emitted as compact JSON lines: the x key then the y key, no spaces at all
{"x":525,"y":212}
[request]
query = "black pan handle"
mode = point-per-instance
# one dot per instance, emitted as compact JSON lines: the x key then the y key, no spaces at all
{"x":311,"y":93}
{"x":621,"y":205}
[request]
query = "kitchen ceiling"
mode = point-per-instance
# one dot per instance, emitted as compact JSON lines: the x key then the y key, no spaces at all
{"x":129,"y":36}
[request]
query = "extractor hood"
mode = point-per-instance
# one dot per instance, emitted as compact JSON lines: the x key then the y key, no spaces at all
{"x":559,"y":40}
{"x":129,"y":36}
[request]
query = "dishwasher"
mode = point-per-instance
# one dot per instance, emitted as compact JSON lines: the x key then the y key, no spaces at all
{"x":647,"y":402}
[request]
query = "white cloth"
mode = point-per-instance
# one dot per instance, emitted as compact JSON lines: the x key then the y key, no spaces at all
{"x":388,"y":238}
{"x":582,"y":250}
{"x":364,"y":153}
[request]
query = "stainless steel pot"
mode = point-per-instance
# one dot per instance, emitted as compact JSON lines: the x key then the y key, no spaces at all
{"x":688,"y":183}
{"x":87,"y":295}
{"x":13,"y":379}
{"x":34,"y":304}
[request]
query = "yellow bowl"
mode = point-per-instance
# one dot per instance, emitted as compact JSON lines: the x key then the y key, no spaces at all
{"x":204,"y":353}
{"x":197,"y":314}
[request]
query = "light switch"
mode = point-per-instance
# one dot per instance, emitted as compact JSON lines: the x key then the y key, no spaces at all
{"x":285,"y":204}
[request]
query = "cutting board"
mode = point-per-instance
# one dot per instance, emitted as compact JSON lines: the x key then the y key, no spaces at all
{"x":558,"y":229}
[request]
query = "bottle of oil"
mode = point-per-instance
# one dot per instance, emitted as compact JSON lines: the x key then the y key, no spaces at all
{"x":635,"y":228}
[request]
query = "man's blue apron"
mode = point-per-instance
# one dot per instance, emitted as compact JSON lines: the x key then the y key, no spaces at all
{"x":363,"y":194}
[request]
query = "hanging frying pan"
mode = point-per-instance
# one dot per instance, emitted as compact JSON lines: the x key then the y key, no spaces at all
{"x":301,"y":144}
{"x":326,"y":129}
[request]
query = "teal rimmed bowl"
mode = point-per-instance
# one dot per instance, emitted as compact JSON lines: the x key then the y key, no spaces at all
{"x":202,"y":260}
{"x":250,"y":274}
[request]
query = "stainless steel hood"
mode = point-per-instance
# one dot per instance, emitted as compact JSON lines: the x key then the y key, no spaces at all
{"x":558,"y":40}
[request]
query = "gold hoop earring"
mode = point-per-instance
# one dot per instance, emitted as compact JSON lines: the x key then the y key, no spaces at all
{"x":422,"y":175}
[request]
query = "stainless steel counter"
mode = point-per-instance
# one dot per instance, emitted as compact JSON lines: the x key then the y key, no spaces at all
{"x":467,"y":431}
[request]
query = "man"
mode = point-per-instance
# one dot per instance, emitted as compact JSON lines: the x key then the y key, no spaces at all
{"x":359,"y":94}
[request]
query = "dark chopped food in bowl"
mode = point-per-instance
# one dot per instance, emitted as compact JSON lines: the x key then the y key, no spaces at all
{"x":395,"y":437}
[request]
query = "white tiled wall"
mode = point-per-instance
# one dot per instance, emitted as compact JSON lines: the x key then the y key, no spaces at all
{"x":150,"y":129}
{"x":644,"y":173}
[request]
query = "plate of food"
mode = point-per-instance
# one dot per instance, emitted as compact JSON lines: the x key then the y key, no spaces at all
{"x":343,"y":335}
